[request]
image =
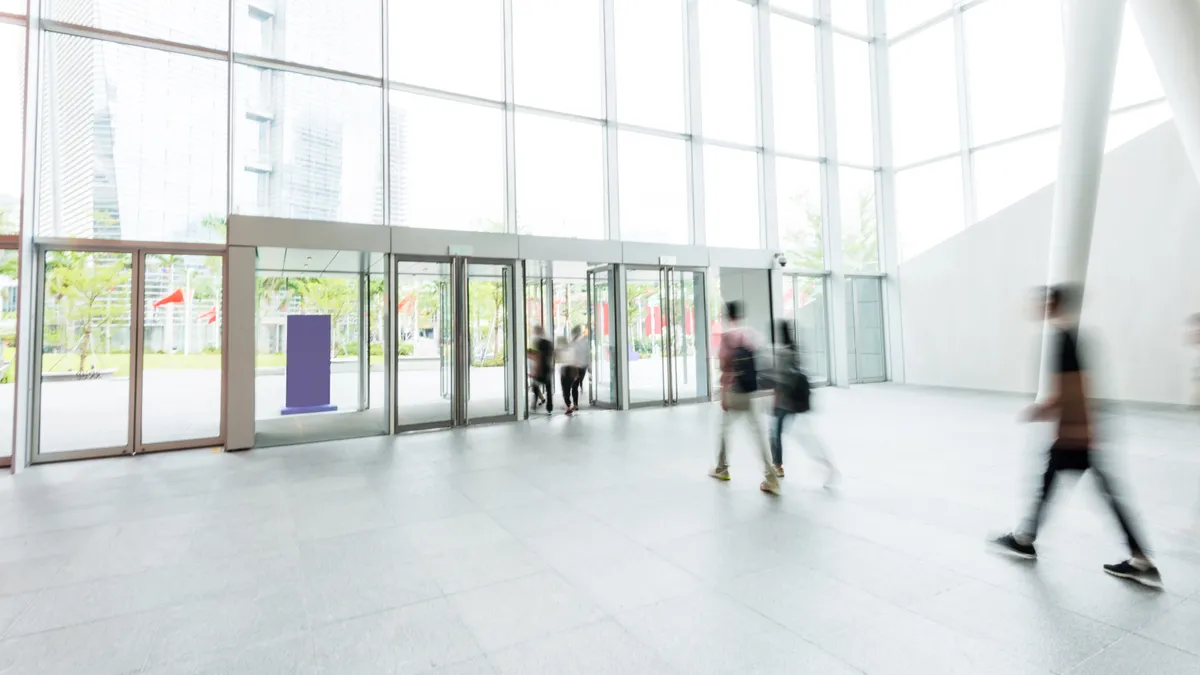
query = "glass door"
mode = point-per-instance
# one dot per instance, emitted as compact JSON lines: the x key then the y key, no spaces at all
{"x":132,"y":353}
{"x":646,"y":342}
{"x":686,"y":333}
{"x":424,"y":344}
{"x":666,"y":323}
{"x":8,"y":350}
{"x":602,"y":372}
{"x":804,"y":302}
{"x":491,"y":372}
{"x":864,"y":330}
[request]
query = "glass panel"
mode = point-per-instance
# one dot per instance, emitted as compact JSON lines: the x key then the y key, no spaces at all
{"x":731,"y":197}
{"x":307,"y":147}
{"x":12,"y":116}
{"x":689,"y":349}
{"x":453,"y":46}
{"x":851,"y":14}
{"x":653,"y":188}
{"x":1137,"y":78}
{"x":852,"y":88}
{"x":727,"y":71}
{"x":924,"y":95}
{"x":804,"y":7}
{"x":794,"y":74}
{"x":86,"y":338}
{"x":929,"y":205}
{"x":905,"y":14}
{"x":198,"y":22}
{"x":8,"y":348}
{"x":133,"y":143}
{"x":644,"y":320}
{"x":345,"y":35}
{"x":447,"y":164}
{"x":558,"y":55}
{"x":860,"y":236}
{"x":490,"y":391}
{"x":868,"y":334}
{"x":603,"y":366}
{"x":425,"y":344}
{"x":181,"y":348}
{"x":650,"y":68}
{"x":1015,"y":67}
{"x":1129,"y":125}
{"x":12,"y":6}
{"x":804,"y":303}
{"x":801,"y":226}
{"x":1010,"y":172}
{"x":560,"y":177}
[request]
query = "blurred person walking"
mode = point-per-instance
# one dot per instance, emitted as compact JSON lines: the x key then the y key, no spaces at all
{"x":544,"y":371}
{"x":1073,"y":450}
{"x":793,"y":399}
{"x":579,"y":355}
{"x":739,"y":380}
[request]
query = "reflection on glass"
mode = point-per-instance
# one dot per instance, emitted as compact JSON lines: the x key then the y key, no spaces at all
{"x":86,"y":340}
{"x":852,"y":93}
{"x":308,"y":147}
{"x":727,"y":71}
{"x":689,"y":358}
{"x":804,"y":303}
{"x":731,"y":197}
{"x":424,"y":344}
{"x":454,"y":46}
{"x":345,"y":35}
{"x":925,"y":94}
{"x":794,"y":89}
{"x":860,"y":235}
{"x":653,"y":188}
{"x":8,"y":348}
{"x":560,"y":177}
{"x":12,"y":116}
{"x":650,"y":68}
{"x":801,"y":226}
{"x":133,"y":143}
{"x":181,"y":348}
{"x":558,"y":55}
{"x":447,"y":164}
{"x":489,"y":391}
{"x":1015,"y":67}
{"x":929,"y":205}
{"x":1007,"y":173}
{"x":198,"y":22}
{"x":644,"y":322}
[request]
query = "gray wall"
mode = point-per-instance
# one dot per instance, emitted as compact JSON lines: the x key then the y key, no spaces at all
{"x":753,"y":288}
{"x":965,"y":302}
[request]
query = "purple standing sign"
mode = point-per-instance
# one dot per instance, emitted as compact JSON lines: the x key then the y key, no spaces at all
{"x":307,"y":372}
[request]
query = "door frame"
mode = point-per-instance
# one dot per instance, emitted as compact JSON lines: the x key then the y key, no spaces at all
{"x":137,"y":250}
{"x":11,"y":242}
{"x":665,"y":277}
{"x":857,"y":318}
{"x":612,"y":270}
{"x":826,"y":316}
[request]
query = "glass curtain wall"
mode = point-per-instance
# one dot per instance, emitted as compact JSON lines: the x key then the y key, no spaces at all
{"x":976,"y":100}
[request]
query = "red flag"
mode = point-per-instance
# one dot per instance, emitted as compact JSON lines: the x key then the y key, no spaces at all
{"x":208,"y":317}
{"x":174,"y":298}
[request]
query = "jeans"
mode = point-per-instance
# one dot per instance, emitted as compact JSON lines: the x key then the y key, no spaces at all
{"x":1062,"y":459}
{"x":802,"y":428}
{"x":739,"y":406}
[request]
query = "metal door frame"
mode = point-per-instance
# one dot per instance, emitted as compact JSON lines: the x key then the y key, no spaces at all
{"x":857,"y":316}
{"x":611,"y":270}
{"x":137,"y":252}
{"x":11,"y":243}
{"x":700,"y":318}
{"x":667,"y":304}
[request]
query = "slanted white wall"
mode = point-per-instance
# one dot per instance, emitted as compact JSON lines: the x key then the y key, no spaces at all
{"x":966,"y":302}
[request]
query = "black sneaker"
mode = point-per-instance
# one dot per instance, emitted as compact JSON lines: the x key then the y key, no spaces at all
{"x":1009,"y":544}
{"x":1147,"y":576}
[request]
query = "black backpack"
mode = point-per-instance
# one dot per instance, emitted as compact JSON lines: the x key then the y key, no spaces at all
{"x":801,"y":393}
{"x":745,"y":379}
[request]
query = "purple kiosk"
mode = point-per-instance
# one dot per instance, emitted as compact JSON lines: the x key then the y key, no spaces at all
{"x":307,"y":372}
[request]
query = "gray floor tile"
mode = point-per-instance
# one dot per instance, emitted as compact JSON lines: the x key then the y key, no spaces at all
{"x":448,"y":535}
{"x":195,"y":629}
{"x":11,"y":606}
{"x":406,"y":641}
{"x":580,"y":542}
{"x":596,"y":649}
{"x":344,"y":592}
{"x":483,"y":566}
{"x":511,"y":612}
{"x":108,"y":647}
{"x":1136,"y":655}
{"x":630,"y":580}
{"x":289,"y":655}
{"x":1178,"y":627}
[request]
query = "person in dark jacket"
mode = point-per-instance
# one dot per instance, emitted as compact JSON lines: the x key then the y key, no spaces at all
{"x":544,"y":366}
{"x":791,"y":401}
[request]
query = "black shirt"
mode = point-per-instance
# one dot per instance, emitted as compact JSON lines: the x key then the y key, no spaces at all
{"x":1068,"y":352}
{"x":545,"y":357}
{"x":1074,"y":419}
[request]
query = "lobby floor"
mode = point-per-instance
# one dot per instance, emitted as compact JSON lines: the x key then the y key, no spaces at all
{"x":598,"y":545}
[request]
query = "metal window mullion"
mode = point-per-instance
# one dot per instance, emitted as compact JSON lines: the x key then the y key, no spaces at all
{"x":510,"y":125}
{"x":695,"y":125}
{"x":768,"y":215}
{"x":612,"y":213}
{"x":386,"y":103}
{"x":965,"y":133}
{"x":231,"y":121}
{"x":831,"y":204}
{"x":118,"y":37}
{"x":887,"y":223}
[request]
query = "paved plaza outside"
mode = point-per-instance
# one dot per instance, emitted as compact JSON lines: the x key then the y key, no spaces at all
{"x":597,"y":544}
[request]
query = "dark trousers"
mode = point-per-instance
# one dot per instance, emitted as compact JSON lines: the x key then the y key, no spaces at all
{"x":1063,"y":459}
{"x":547,"y":392}
{"x":567,"y":378}
{"x":781,"y":416}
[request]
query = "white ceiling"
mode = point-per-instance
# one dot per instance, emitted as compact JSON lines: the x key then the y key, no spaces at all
{"x":306,"y":262}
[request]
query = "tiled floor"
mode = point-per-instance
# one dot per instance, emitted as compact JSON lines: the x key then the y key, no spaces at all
{"x":598,"y":545}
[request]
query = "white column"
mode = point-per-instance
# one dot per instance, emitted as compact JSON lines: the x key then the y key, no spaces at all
{"x":1171,"y":29}
{"x":889,"y":234}
{"x":240,"y":306}
{"x":1092,"y":40}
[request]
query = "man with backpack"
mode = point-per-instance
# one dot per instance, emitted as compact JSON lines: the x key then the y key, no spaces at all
{"x":739,"y":380}
{"x":793,"y":397}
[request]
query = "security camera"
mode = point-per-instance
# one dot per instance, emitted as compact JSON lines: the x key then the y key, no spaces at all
{"x":781,"y":260}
